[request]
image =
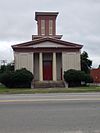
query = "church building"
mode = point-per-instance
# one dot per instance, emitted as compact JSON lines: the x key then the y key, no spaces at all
{"x":46,"y":55}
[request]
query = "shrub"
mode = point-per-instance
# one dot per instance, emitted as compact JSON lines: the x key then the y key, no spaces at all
{"x":88,"y":78}
{"x":19,"y":79}
{"x":75,"y":77}
{"x":6,"y":79}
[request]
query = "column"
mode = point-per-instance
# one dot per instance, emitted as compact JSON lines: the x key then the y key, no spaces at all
{"x":40,"y":67}
{"x":54,"y":67}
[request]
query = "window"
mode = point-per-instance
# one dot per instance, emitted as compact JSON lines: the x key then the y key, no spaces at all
{"x":50,"y":27}
{"x":42,"y":27}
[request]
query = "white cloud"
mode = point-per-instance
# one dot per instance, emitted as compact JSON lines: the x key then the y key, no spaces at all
{"x":78,"y":21}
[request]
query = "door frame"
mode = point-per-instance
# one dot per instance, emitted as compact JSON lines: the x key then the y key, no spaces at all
{"x":50,"y":61}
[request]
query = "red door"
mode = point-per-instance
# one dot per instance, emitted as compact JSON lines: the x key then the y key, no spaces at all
{"x":47,"y":70}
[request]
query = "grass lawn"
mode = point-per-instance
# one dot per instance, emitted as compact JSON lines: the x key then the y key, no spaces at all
{"x":4,"y":90}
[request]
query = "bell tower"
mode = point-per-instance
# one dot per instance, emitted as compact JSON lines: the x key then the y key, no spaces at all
{"x":46,"y":24}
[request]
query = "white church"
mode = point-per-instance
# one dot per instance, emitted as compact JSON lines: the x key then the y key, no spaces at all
{"x":46,"y":55}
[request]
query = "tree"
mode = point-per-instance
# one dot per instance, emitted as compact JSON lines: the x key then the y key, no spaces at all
{"x":76,"y":77}
{"x":85,"y":62}
{"x":8,"y":67}
{"x":99,"y":66}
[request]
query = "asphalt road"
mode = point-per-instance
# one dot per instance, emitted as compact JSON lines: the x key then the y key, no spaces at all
{"x":50,"y":113}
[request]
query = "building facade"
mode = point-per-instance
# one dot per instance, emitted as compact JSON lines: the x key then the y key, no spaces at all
{"x":47,"y":56}
{"x":95,"y":73}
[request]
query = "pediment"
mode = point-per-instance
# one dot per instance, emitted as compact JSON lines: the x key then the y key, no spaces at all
{"x":47,"y":44}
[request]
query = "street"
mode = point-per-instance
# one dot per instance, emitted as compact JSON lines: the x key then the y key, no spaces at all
{"x":50,"y":113}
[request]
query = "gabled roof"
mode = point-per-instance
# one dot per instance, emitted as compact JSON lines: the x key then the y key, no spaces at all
{"x":45,"y":39}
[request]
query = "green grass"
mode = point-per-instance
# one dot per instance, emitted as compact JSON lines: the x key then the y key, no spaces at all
{"x":4,"y":90}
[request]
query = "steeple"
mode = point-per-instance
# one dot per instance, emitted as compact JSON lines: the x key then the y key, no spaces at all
{"x":46,"y":24}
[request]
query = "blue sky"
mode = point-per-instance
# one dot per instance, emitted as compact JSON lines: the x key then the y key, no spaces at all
{"x":78,"y":21}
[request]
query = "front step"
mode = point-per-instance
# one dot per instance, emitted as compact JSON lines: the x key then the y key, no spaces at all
{"x":48,"y":84}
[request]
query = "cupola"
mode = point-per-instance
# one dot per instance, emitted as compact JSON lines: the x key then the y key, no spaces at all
{"x":46,"y":23}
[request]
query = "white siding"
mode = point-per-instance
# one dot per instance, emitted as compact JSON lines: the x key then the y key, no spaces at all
{"x":51,"y":27}
{"x":70,"y":60}
{"x":42,"y":27}
{"x":24,"y":60}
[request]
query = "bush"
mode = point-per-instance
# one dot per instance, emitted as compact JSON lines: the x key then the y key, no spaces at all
{"x":88,"y":78}
{"x":6,"y":79}
{"x":19,"y":79}
{"x":76,"y":77}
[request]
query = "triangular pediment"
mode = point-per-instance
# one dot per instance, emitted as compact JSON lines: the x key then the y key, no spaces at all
{"x":47,"y":42}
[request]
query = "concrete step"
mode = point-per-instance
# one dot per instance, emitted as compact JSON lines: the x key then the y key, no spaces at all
{"x":48,"y":84}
